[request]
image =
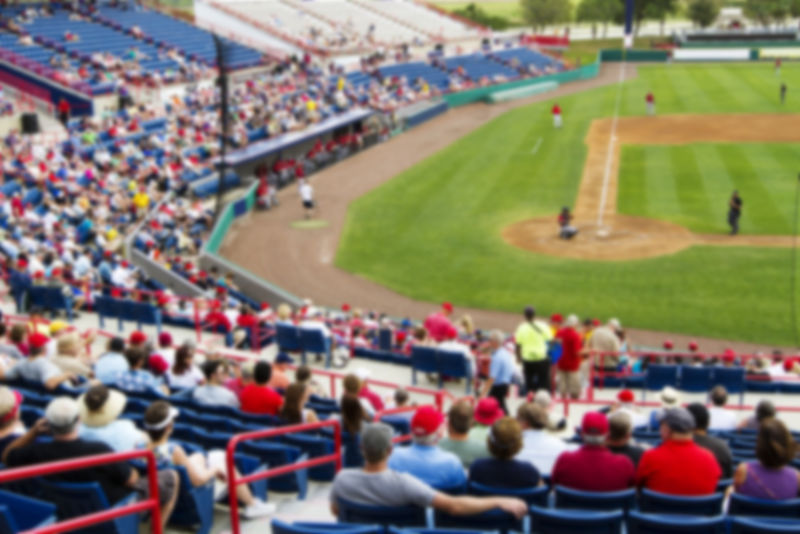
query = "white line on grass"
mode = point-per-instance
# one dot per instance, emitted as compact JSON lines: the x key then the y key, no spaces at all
{"x":612,"y":138}
{"x":536,"y":148}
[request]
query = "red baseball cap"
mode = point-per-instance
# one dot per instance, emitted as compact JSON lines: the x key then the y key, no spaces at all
{"x":451,"y":333}
{"x":448,"y":307}
{"x":625,"y":395}
{"x":37,"y":340}
{"x":158,"y":364}
{"x":488,"y":411}
{"x":729,"y":355}
{"x":426,"y":421}
{"x":596,"y":322}
{"x":165,"y":339}
{"x":345,"y":308}
{"x":556,"y":318}
{"x":594,"y":424}
{"x":693,"y":345}
{"x":668,"y":344}
{"x":137,"y":338}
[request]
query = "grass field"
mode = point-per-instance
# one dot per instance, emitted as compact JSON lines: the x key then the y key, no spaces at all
{"x":433,"y":233}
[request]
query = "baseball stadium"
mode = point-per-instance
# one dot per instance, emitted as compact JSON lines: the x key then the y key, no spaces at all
{"x":400,"y":266}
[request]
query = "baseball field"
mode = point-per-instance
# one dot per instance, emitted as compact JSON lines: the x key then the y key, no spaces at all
{"x":476,"y":222}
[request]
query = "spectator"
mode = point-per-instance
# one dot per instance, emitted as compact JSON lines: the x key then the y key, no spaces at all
{"x":459,"y":421}
{"x":201,"y":468}
{"x":764,"y":410}
{"x":352,"y":414}
{"x":68,"y":356}
{"x":604,"y":344}
{"x":400,"y":399}
{"x":113,"y":362}
{"x":258,"y":397}
{"x":353,"y":385}
{"x":378,"y":485}
{"x":38,"y":368}
{"x":61,"y":421}
{"x":279,"y":379}
{"x":721,"y":419}
{"x":423,"y":459}
{"x":502,"y":470}
{"x":678,"y":466}
{"x":237,"y":384}
{"x":501,"y":371}
{"x":770,"y":477}
{"x":10,"y":426}
{"x":568,"y":375}
{"x":8,"y":350}
{"x":487,"y":411}
{"x":531,"y":339}
{"x":669,"y":398}
{"x":303,"y":375}
{"x":136,"y":379}
{"x":555,"y":421}
{"x":539,"y":447}
{"x":18,"y":336}
{"x":593,"y":467}
{"x":717,"y":447}
{"x":370,"y":396}
{"x":213,"y":393}
{"x":619,"y":437}
{"x":184,"y":374}
{"x":100,"y":409}
{"x":438,"y":324}
{"x":626,"y":404}
{"x":165,"y":347}
{"x":294,"y":411}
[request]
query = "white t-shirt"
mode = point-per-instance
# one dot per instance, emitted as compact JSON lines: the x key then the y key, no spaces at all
{"x":306,"y":192}
{"x":189,"y":379}
{"x":722,"y":419}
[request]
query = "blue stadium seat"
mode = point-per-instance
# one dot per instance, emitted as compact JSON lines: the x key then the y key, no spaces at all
{"x":548,"y":521}
{"x":108,"y":308}
{"x":423,"y":359}
{"x":659,"y":376}
{"x":19,"y":513}
{"x":314,"y":447}
{"x":314,"y":341}
{"x":624,"y":500}
{"x":640,"y":523}
{"x":288,"y":337}
{"x":399,"y":516}
{"x":491,"y":520}
{"x":50,"y":298}
{"x":281,"y":527}
{"x":385,"y":339}
{"x":400,"y":424}
{"x":696,"y":379}
{"x":30,"y":414}
{"x":194,"y":507}
{"x":749,"y":506}
{"x":746,"y":525}
{"x":732,"y":378}
{"x":661,"y":503}
{"x":393,"y":530}
{"x":77,"y":499}
{"x":351,"y":456}
{"x":536,"y":496}
{"x":455,"y":365}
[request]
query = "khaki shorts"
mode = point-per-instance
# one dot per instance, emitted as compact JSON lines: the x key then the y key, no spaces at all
{"x":568,"y":383}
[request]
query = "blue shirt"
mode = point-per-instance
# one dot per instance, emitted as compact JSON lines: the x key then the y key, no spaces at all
{"x":121,"y":435}
{"x":502,"y":367}
{"x":432,"y":465}
{"x":139,"y":381}
{"x":109,"y":366}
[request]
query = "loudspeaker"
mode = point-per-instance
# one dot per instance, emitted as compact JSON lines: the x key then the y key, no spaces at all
{"x":30,"y":123}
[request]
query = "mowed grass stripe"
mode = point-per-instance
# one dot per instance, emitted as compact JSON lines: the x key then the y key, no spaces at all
{"x":690,"y":184}
{"x":633,"y":181}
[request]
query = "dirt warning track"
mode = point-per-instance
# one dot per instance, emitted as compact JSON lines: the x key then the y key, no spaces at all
{"x":609,"y":236}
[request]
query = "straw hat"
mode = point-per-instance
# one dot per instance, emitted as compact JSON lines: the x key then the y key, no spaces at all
{"x":100,"y":406}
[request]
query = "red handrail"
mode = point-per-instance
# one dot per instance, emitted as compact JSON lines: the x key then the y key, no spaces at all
{"x":234,"y":481}
{"x":151,"y":504}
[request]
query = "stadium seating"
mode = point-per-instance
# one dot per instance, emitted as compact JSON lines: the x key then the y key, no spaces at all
{"x":406,"y":516}
{"x":745,"y":525}
{"x":415,"y":70}
{"x":281,"y":527}
{"x":537,"y":496}
{"x":360,"y":20}
{"x":19,"y":513}
{"x":424,"y":19}
{"x":77,"y":499}
{"x":748,"y":506}
{"x":641,"y":523}
{"x":477,"y":66}
{"x":527,"y":58}
{"x":548,"y":521}
{"x":660,"y":503}
{"x":589,"y":500}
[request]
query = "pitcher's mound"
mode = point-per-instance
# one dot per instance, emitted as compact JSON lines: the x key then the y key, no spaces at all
{"x":622,"y":237}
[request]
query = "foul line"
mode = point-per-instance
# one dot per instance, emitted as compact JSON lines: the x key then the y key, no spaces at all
{"x":536,"y":148}
{"x":609,"y":155}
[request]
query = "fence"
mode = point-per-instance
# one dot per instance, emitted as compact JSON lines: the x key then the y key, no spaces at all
{"x":151,"y":504}
{"x":234,"y":480}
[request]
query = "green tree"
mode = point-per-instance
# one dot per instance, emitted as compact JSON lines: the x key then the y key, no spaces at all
{"x":660,"y":10}
{"x":705,"y":12}
{"x":598,"y":12}
{"x":794,"y":8}
{"x":765,"y":12}
{"x":541,"y":13}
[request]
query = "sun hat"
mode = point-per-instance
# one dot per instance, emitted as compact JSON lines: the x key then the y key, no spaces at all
{"x":572,"y":321}
{"x":488,"y":411}
{"x":100,"y":405}
{"x":669,"y":397}
{"x":594,"y":424}
{"x":10,"y":401}
{"x":614,"y":323}
{"x":426,"y":421}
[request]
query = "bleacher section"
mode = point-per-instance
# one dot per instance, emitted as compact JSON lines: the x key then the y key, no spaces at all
{"x":415,"y":70}
{"x":425,"y":19}
{"x":477,"y":66}
{"x":526,"y":57}
{"x":359,"y":20}
{"x":194,"y":42}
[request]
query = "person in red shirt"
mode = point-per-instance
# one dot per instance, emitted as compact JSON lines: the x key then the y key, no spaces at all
{"x":557,"y":120}
{"x":650,"y":101}
{"x":63,"y":111}
{"x":568,"y":376}
{"x":678,"y":466}
{"x":593,"y":467}
{"x":438,"y":324}
{"x":257,"y":397}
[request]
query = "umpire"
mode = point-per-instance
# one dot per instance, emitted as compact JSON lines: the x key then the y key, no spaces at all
{"x":734,"y":212}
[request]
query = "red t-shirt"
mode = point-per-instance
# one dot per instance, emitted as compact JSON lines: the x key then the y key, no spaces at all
{"x":556,"y":110}
{"x":438,"y":326}
{"x":571,"y":342}
{"x":650,"y":98}
{"x":260,"y":400}
{"x":678,"y":468}
{"x":593,"y":468}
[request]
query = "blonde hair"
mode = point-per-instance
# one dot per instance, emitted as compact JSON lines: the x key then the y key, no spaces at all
{"x":68,"y":345}
{"x":467,"y":324}
{"x":284,"y":311}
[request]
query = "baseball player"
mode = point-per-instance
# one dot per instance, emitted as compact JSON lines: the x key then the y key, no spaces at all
{"x":650,"y":102}
{"x":557,"y":120}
